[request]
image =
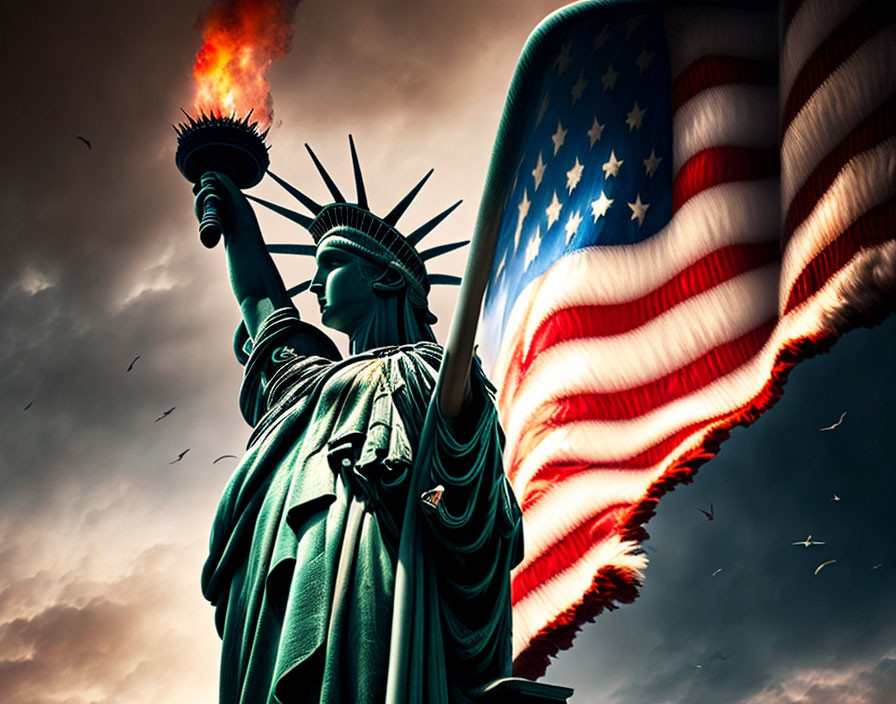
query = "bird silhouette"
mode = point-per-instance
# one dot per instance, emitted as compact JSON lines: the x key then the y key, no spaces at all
{"x":710,"y":515}
{"x":835,"y":425}
{"x":836,"y":498}
{"x":131,"y":365}
{"x":716,"y":572}
{"x":808,"y":542}
{"x":30,"y":403}
{"x":224,"y":457}
{"x":180,"y":456}
{"x":823,"y":565}
{"x":86,"y":141}
{"x":165,"y":414}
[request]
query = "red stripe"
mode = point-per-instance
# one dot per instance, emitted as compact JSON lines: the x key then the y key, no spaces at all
{"x":603,"y":320}
{"x":718,"y":165}
{"x":567,"y":551}
{"x":874,"y":129}
{"x":632,"y":403}
{"x":712,"y":71}
{"x":852,"y":33}
{"x":646,"y":459}
{"x":872,"y":229}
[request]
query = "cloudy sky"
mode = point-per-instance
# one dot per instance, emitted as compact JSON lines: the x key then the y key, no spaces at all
{"x":102,"y":540}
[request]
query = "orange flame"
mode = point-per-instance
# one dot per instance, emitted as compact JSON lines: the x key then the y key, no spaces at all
{"x":241,"y":39}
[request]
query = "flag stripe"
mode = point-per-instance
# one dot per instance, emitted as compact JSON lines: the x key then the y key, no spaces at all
{"x":724,"y":116}
{"x":876,"y":128}
{"x":866,"y":181}
{"x":874,"y":228}
{"x":630,"y":403}
{"x":712,"y":71}
{"x":857,"y":29}
{"x":614,"y":319}
{"x":858,"y":87}
{"x":718,"y":31}
{"x":812,"y":23}
{"x":719,"y":165}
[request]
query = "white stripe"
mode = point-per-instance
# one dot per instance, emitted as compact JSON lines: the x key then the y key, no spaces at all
{"x":695,"y":33}
{"x":859,"y":86}
{"x":810,"y":26}
{"x":572,"y":502}
{"x":661,"y":346}
{"x":731,"y":115}
{"x":736,"y":213}
{"x":865,"y":181}
{"x":549,"y":600}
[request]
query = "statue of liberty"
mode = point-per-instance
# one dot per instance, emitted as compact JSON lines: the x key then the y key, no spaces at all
{"x":314,"y":521}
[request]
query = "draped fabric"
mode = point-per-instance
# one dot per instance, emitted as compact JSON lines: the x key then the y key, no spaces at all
{"x":304,"y":545}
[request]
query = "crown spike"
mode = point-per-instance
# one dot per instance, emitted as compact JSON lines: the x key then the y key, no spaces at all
{"x":442,"y":249}
{"x":422,"y":231}
{"x":297,"y":194}
{"x":302,"y":220}
{"x":359,"y":181}
{"x":399,"y":209}
{"x":446,"y":279}
{"x":334,"y":191}
{"x":305,"y":250}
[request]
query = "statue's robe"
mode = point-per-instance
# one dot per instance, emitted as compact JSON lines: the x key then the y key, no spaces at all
{"x":305,"y":541}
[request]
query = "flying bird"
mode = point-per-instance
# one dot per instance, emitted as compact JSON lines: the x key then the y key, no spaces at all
{"x":836,"y":498}
{"x":131,"y":365}
{"x":224,"y":457}
{"x":716,"y":572}
{"x":86,"y":141}
{"x":180,"y":456}
{"x":710,"y":515}
{"x":824,"y":564}
{"x":165,"y":414}
{"x":878,"y":566}
{"x":808,"y":542}
{"x":835,"y":425}
{"x":28,"y":406}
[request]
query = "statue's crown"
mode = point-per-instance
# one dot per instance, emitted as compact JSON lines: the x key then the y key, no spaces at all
{"x":354,"y":221}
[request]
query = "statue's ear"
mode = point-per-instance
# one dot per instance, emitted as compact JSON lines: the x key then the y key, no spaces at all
{"x":390,"y":281}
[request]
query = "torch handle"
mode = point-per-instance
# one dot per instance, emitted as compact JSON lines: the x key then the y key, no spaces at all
{"x":210,"y":225}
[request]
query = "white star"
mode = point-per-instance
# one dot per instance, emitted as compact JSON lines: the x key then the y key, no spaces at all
{"x":558,"y":137}
{"x":579,"y":87}
{"x":639,"y":210}
{"x":574,"y":175}
{"x":609,"y":78}
{"x":572,"y":226}
{"x":564,"y":58}
{"x":501,"y":266}
{"x":611,"y":168}
{"x":643,"y":60}
{"x":634,"y":118}
{"x":595,"y":131}
{"x":600,"y":206}
{"x":538,"y":171}
{"x":652,"y":163}
{"x":553,"y":211}
{"x":532,"y":248}
{"x":543,"y":108}
{"x":601,"y":38}
{"x":523,"y":207}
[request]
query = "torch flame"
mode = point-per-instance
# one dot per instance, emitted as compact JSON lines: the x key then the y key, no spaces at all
{"x":241,"y":39}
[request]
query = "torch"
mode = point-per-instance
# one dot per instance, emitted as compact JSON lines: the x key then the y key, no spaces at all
{"x":229,"y":145}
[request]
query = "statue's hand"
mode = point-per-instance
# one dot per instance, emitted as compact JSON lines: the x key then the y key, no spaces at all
{"x":230,"y":208}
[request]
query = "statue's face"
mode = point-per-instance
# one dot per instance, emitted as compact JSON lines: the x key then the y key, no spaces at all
{"x":343,"y":288}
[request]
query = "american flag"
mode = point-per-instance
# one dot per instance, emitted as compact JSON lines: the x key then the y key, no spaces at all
{"x":690,"y":200}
